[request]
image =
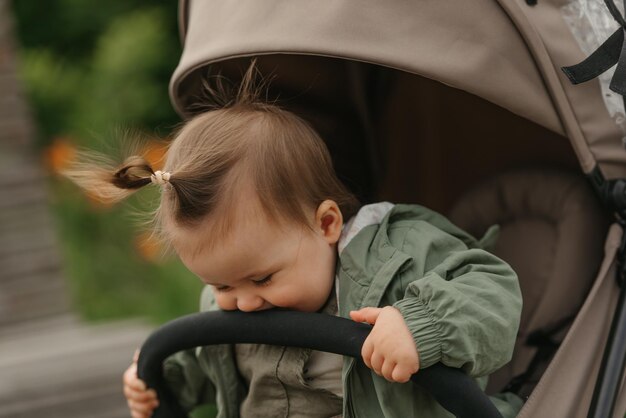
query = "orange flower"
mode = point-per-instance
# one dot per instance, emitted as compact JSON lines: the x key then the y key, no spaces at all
{"x":149,"y":247}
{"x":155,"y":153}
{"x":59,"y":154}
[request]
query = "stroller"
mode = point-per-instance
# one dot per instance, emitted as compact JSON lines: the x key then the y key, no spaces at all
{"x":462,"y":107}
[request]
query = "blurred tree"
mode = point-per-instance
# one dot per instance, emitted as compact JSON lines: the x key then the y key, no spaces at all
{"x":92,"y":70}
{"x":71,"y":28}
{"x":89,"y":66}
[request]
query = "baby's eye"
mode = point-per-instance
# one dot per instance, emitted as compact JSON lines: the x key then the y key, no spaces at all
{"x":263,"y":282}
{"x":222,"y":288}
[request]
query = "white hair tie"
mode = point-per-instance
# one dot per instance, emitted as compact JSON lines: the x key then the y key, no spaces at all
{"x":160,"y":177}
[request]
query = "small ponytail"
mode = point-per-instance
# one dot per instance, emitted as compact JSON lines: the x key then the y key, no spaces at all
{"x":134,"y":173}
{"x":107,"y":181}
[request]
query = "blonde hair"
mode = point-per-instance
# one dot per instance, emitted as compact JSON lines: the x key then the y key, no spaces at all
{"x":244,"y":139}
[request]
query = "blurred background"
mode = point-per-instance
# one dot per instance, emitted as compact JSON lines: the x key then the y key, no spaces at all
{"x":73,"y":272}
{"x":91,"y":71}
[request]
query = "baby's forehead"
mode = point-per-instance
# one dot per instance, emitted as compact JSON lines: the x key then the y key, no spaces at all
{"x":236,"y":231}
{"x":240,"y":221}
{"x":244,"y":252}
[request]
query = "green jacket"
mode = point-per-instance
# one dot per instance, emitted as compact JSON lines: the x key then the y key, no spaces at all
{"x":461,"y":303}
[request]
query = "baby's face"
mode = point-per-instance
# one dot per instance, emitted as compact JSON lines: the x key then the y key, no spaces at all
{"x":261,"y":265}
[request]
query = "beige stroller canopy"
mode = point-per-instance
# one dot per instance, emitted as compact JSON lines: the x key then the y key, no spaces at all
{"x":505,"y":52}
{"x":425,"y":99}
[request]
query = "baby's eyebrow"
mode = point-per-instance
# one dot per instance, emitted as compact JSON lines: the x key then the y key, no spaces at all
{"x":248,"y":277}
{"x":213,"y":284}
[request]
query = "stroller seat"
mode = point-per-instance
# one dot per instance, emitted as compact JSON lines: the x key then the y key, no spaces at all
{"x":552,"y":231}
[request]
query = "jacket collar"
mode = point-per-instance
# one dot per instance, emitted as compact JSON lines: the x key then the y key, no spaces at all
{"x":367,"y":266}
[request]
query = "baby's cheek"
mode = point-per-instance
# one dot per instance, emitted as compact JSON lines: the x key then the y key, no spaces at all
{"x":306,"y":303}
{"x":225,"y":302}
{"x":285,"y":299}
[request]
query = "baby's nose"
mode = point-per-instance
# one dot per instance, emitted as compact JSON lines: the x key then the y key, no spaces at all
{"x":249,"y":303}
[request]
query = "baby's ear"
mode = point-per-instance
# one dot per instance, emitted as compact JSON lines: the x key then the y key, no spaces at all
{"x":328,"y":220}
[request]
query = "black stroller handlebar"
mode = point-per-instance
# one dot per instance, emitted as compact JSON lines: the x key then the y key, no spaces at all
{"x":453,"y":389}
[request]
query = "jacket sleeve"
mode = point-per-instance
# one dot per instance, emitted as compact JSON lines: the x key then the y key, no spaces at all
{"x":187,"y":381}
{"x":462,"y":305}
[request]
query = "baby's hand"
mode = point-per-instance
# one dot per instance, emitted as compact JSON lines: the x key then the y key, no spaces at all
{"x":141,"y":400}
{"x":389,"y":350}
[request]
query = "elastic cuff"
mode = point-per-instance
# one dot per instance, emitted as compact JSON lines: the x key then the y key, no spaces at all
{"x":425,"y":332}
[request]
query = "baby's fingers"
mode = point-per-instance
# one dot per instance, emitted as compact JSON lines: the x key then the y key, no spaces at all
{"x":135,"y":389}
{"x":366,"y":352}
{"x":143,"y":407}
{"x":131,"y":379}
{"x":139,"y":414}
{"x":368,"y":315}
{"x":402,"y":374}
{"x":377,"y":362}
{"x":140,"y":396}
{"x":387,"y":370}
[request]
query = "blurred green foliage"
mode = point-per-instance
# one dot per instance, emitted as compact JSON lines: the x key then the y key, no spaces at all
{"x":88,"y":66}
{"x":92,"y":69}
